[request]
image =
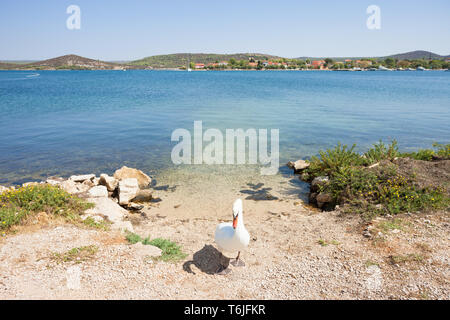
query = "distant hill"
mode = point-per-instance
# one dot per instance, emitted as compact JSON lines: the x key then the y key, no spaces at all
{"x":70,"y":61}
{"x":6,"y":66}
{"x":418,"y":54}
{"x":181,"y":59}
{"x":178,"y":60}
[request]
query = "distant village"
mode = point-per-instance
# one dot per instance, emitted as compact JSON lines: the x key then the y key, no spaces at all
{"x":74,"y":62}
{"x":366,"y":64}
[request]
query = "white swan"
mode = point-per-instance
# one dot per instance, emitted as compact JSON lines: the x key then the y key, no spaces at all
{"x":232,"y":237}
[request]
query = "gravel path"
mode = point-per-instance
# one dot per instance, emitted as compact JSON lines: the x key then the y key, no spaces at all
{"x":294,"y":253}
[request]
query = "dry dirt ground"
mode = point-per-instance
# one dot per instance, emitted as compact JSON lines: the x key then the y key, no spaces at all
{"x":295,"y":252}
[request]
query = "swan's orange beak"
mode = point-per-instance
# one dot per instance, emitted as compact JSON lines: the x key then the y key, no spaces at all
{"x":235,"y":222}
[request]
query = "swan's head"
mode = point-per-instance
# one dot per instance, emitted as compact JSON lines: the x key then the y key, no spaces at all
{"x":237,"y":211}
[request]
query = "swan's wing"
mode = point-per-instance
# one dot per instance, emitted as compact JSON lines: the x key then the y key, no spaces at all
{"x":224,"y":230}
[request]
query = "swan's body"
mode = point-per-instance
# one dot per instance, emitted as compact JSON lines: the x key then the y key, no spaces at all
{"x":233,"y":237}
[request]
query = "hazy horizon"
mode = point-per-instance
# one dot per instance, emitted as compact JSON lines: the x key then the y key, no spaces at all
{"x":119,"y":31}
{"x":128,"y":60}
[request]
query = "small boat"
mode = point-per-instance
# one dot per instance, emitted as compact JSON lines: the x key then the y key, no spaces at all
{"x":421,"y":69}
{"x":381,"y":68}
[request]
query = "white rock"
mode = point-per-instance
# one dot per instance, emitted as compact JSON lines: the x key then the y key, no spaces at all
{"x":27,"y":184}
{"x":98,"y":192}
{"x":298,"y":165}
{"x":55,"y":181}
{"x":146,"y":250}
{"x":82,"y":178}
{"x":96,"y":181}
{"x":107,"y":208}
{"x":123,"y":226}
{"x":128,"y":189}
{"x":96,"y":218}
{"x":109,"y":182}
{"x":127,"y":173}
{"x":72,"y":187}
{"x":3,"y":189}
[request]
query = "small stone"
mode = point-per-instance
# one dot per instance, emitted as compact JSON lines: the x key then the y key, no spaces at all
{"x":128,"y":189}
{"x":318,"y":181}
{"x":146,"y":250}
{"x":123,"y":226}
{"x":135,"y":206}
{"x":143,"y":196}
{"x":323,"y":198}
{"x":72,"y":187}
{"x":82,"y":178}
{"x":55,"y":181}
{"x":98,"y":192}
{"x":88,"y":183}
{"x":298,"y":165}
{"x":110,"y":182}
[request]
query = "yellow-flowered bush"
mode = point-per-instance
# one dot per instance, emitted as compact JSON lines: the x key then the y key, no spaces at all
{"x":17,"y":204}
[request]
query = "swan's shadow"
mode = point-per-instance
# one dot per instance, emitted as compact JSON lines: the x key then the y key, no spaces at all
{"x":207,"y":259}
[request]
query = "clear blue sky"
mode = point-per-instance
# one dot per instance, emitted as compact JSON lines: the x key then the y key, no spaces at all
{"x":125,"y":30}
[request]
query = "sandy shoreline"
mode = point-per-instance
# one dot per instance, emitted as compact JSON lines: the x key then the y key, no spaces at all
{"x":294,"y":253}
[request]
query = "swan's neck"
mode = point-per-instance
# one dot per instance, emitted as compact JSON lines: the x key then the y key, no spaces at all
{"x":240,"y":223}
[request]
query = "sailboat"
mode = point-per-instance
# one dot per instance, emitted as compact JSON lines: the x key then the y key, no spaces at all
{"x":189,"y":63}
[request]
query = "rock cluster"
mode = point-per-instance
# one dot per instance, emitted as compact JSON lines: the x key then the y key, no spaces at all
{"x":323,"y":200}
{"x":127,"y":189}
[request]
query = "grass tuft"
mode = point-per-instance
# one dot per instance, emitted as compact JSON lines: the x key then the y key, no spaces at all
{"x":170,"y":250}
{"x":76,"y":255}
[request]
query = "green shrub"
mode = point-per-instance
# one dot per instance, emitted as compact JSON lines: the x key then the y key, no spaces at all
{"x":133,"y":237}
{"x":441,"y":150}
{"x":422,"y":154}
{"x":362,"y":190}
{"x":333,"y":161}
{"x":17,"y":204}
{"x":380,"y":151}
{"x":353,"y":183}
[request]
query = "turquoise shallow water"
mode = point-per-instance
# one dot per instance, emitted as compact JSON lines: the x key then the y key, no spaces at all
{"x":66,"y":122}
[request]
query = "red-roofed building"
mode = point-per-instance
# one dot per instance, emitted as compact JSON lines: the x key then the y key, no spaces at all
{"x":318,"y":63}
{"x":199,"y":66}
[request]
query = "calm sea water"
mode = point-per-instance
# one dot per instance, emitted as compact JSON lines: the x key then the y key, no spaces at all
{"x":66,"y":122}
